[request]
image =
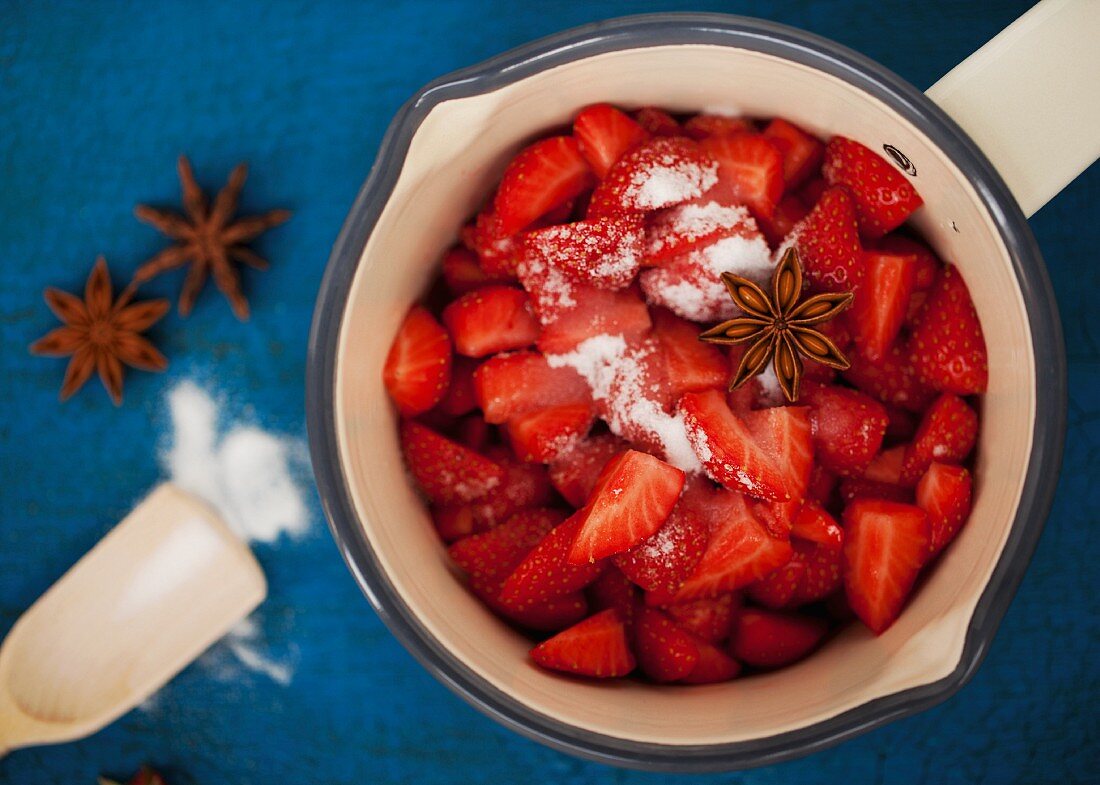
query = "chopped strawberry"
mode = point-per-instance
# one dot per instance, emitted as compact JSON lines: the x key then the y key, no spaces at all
{"x":813,"y":572}
{"x":750,"y":170}
{"x":604,"y":252}
{"x":418,"y":366}
{"x":541,"y":177}
{"x":575,"y":471}
{"x":498,"y":551}
{"x":511,"y":385}
{"x":658,"y":122}
{"x":823,"y":572}
{"x":665,"y":652}
{"x":524,"y":485}
{"x":892,"y":379}
{"x":861,"y":488}
{"x":446,"y":471}
{"x":634,"y":495}
{"x":766,"y":639}
{"x":453,"y":521}
{"x":595,"y":312}
{"x":882,"y":302}
{"x":944,"y":494}
{"x":822,"y":484}
{"x":708,"y":619}
{"x":545,"y":572}
{"x":713,"y":666}
{"x":692,"y":364}
{"x":810,"y":194}
{"x":828,"y":242}
{"x":886,"y":466}
{"x":782,"y":222}
{"x":474,"y":432}
{"x":927,"y":264}
{"x":490,"y":320}
{"x":664,"y":559}
{"x":777,"y":517}
{"x":498,"y":254}
{"x":802,"y":153}
{"x":902,"y":425}
{"x":947,"y":433}
{"x":947,"y":344}
{"x":883,"y":197}
{"x":462,"y":272}
{"x":605,"y":134}
{"x":595,"y":647}
{"x":813,"y":524}
{"x":614,"y":590}
{"x":541,"y":436}
{"x":778,"y":588}
{"x":553,"y":615}
{"x":695,"y":224}
{"x":886,"y":544}
{"x":658,"y":173}
{"x":460,"y":397}
{"x":848,"y":428}
{"x":703,"y":125}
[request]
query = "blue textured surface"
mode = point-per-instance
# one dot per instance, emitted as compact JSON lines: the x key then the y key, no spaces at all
{"x":96,"y":102}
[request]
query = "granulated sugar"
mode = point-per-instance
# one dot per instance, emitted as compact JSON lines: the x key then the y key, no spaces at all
{"x":667,"y":181}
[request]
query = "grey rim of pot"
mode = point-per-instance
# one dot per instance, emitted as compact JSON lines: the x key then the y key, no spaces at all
{"x":639,"y":32}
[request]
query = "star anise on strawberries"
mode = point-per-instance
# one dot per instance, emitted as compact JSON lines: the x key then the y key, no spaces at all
{"x":208,"y":239}
{"x":101,"y":333}
{"x":778,"y":327}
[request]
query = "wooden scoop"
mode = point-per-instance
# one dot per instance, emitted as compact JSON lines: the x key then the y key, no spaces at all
{"x":160,"y":588}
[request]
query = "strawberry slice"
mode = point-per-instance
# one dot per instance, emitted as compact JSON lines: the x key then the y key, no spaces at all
{"x":490,"y":320}
{"x":708,"y":619}
{"x":883,"y":197}
{"x":444,"y":470}
{"x":498,"y":254}
{"x":766,"y":639}
{"x":703,"y":125}
{"x":665,"y":652}
{"x":813,"y":524}
{"x":788,"y":213}
{"x":802,"y":153}
{"x":887,"y":465}
{"x":634,"y":495}
{"x":495,"y":553}
{"x":511,"y":385}
{"x":944,"y":494}
{"x":604,"y":252}
{"x":828,"y":243}
{"x":545,"y":572}
{"x":418,"y":367}
{"x":692,"y":364}
{"x":814,"y":571}
{"x":541,"y":177}
{"x":462,"y":272}
{"x":541,"y":436}
{"x":712,"y":666}
{"x":892,"y":380}
{"x":605,"y":134}
{"x":927,"y":265}
{"x":861,"y":488}
{"x":947,"y":344}
{"x":947,"y":433}
{"x":882,"y":302}
{"x":664,"y":559}
{"x":595,"y":647}
{"x":614,"y":590}
{"x":750,"y":170}
{"x":886,"y":544}
{"x":575,"y":471}
{"x":848,"y":428}
{"x":679,"y":229}
{"x":658,"y":122}
{"x":461,"y":398}
{"x":658,"y":173}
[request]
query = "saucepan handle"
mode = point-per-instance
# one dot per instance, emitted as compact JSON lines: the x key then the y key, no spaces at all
{"x":1030,"y":98}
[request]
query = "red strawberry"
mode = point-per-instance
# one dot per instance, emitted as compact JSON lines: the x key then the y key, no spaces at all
{"x":446,"y":471}
{"x":490,"y":320}
{"x":882,"y":302}
{"x":927,"y":264}
{"x":453,"y":521}
{"x":473,"y":431}
{"x":944,"y":494}
{"x":883,"y":197}
{"x":713,"y":666}
{"x":788,"y":213}
{"x":692,"y":364}
{"x":708,"y":619}
{"x":703,"y":125}
{"x":605,"y":252}
{"x":633,"y":497}
{"x":848,"y":428}
{"x":664,"y":559}
{"x":594,"y":311}
{"x":658,"y":173}
{"x":658,"y":122}
{"x":500,"y":550}
{"x":596,"y":647}
{"x":892,"y":379}
{"x":418,"y":366}
{"x":828,"y":243}
{"x":665,"y":652}
{"x":886,"y":466}
{"x":823,"y":572}
{"x":810,"y":194}
{"x":947,"y":343}
{"x":947,"y":433}
{"x":575,"y":471}
{"x":461,"y":397}
{"x":777,"y":517}
{"x":679,"y":229}
{"x":902,"y":425}
{"x":605,"y":134}
{"x":815,"y":525}
{"x":766,"y":639}
{"x":545,"y":572}
{"x":542,"y":435}
{"x":543,"y":176}
{"x":777,"y":589}
{"x":614,"y":590}
{"x":860,"y":488}
{"x":524,"y":485}
{"x":553,"y":615}
{"x":462,"y":272}
{"x":886,"y":544}
{"x":750,"y":170}
{"x":511,"y":385}
{"x":498,"y":254}
{"x":802,"y":153}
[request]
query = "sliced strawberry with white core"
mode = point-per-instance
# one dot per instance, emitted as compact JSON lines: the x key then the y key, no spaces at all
{"x":750,"y":170}
{"x":510,"y":385}
{"x":882,"y":302}
{"x":605,"y":134}
{"x":545,"y":434}
{"x":490,"y":320}
{"x":418,"y":366}
{"x":944,"y":494}
{"x":686,"y":226}
{"x":541,"y":177}
{"x":596,"y":647}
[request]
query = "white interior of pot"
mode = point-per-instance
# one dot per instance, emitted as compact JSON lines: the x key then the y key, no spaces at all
{"x":454,"y":160}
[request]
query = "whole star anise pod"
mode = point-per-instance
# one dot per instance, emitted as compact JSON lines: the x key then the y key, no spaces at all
{"x":101,"y":333}
{"x":208,"y":239}
{"x":779,"y":327}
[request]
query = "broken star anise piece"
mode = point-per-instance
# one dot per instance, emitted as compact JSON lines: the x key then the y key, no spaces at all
{"x":208,"y":239}
{"x":101,"y":333}
{"x":780,"y":328}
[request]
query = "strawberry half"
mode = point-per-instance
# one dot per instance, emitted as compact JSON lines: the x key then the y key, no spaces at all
{"x":708,"y":619}
{"x":848,"y":428}
{"x":828,"y":243}
{"x":947,"y":344}
{"x":882,"y":302}
{"x":595,"y":647}
{"x":665,"y":652}
{"x":663,"y":560}
{"x":944,"y":494}
{"x":886,"y":544}
{"x":418,"y":366}
{"x":947,"y":433}
{"x":692,"y":364}
{"x":604,"y":252}
{"x":750,"y":170}
{"x":490,"y":320}
{"x":822,"y":576}
{"x":553,"y":615}
{"x":543,"y":435}
{"x":541,"y":177}
{"x":605,"y":134}
{"x":444,"y":470}
{"x":512,"y":385}
{"x":659,"y":173}
{"x":703,"y":125}
{"x":593,"y":311}
{"x":926,"y":264}
{"x":883,"y":197}
{"x":766,"y":639}
{"x":575,"y":471}
{"x":546,"y":573}
{"x":802,"y":153}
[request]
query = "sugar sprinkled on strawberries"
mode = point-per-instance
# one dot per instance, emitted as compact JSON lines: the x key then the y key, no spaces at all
{"x":669,"y":180}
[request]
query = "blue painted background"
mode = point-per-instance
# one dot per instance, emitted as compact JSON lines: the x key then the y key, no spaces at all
{"x":96,"y":100}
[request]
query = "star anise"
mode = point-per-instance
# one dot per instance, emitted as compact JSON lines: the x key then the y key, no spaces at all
{"x":780,"y":328}
{"x":101,"y":333}
{"x":208,"y":239}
